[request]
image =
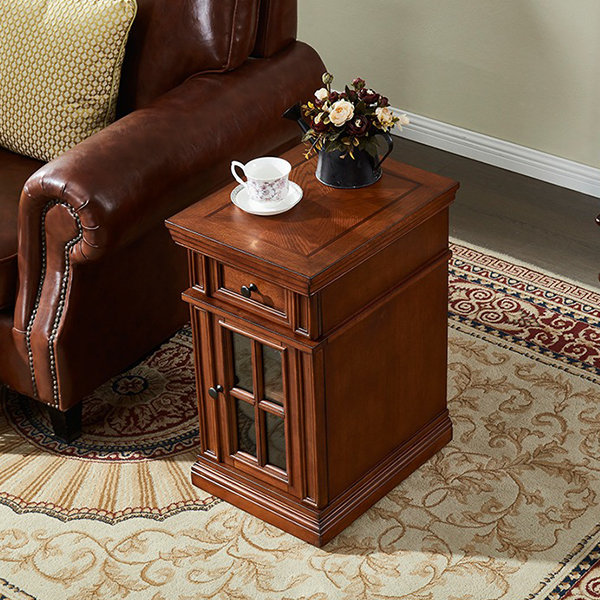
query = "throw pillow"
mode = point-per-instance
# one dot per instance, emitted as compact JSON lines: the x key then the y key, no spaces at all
{"x":60,"y":65}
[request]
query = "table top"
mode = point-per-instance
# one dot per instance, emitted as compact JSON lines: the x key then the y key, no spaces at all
{"x":326,"y":233}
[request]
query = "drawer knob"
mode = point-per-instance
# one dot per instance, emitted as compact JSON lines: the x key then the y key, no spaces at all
{"x":248,"y":289}
{"x":214,"y":392}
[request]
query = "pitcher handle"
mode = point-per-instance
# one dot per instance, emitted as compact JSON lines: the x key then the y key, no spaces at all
{"x":236,"y":164}
{"x":390,"y":142}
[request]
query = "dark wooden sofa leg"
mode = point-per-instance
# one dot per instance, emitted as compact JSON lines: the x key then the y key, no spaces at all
{"x":67,"y":424}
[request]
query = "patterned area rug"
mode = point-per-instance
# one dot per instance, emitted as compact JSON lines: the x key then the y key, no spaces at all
{"x":509,"y":509}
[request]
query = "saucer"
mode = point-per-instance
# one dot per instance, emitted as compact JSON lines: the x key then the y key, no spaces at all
{"x":240,"y":198}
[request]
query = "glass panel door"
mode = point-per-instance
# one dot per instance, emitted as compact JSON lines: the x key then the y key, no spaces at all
{"x":254,"y":372}
{"x":275,"y":441}
{"x":242,"y":362}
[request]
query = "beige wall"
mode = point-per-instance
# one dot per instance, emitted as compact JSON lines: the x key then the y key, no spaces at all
{"x":526,"y":71}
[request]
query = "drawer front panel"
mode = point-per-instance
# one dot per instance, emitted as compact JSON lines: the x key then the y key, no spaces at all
{"x":250,"y":292}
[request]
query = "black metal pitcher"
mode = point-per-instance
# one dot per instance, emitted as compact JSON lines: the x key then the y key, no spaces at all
{"x":345,"y":173}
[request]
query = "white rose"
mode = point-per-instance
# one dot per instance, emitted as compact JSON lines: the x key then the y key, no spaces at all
{"x":341,"y":112}
{"x":404,"y":120}
{"x":385,"y":116}
{"x":321,"y":94}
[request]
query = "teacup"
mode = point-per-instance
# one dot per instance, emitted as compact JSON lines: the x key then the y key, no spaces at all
{"x":267,"y":178}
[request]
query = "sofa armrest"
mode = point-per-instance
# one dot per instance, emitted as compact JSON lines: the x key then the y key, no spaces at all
{"x":122,"y":181}
{"x":116,"y":180}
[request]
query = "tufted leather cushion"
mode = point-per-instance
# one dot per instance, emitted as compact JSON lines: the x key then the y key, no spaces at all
{"x":173,"y":39}
{"x":14,"y":171}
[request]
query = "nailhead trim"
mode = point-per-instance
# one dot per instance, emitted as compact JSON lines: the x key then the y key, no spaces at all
{"x":61,"y":298}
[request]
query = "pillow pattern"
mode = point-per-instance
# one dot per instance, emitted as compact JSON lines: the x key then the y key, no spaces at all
{"x":60,"y":65}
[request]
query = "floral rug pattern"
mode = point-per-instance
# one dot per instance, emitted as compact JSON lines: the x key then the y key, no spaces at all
{"x":509,"y":509}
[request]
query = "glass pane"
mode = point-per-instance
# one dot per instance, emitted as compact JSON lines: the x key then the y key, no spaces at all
{"x":246,"y":429}
{"x":275,"y":441}
{"x":272,"y":375}
{"x":242,"y":362}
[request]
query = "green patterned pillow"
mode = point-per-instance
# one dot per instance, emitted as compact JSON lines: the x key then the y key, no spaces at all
{"x":60,"y":65}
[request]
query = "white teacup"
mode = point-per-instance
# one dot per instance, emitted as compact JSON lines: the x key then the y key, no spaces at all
{"x":267,"y":178}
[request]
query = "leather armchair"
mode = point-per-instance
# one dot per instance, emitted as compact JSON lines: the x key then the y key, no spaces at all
{"x":92,"y":280}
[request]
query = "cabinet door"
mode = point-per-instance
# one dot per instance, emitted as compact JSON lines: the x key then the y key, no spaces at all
{"x":210,"y":444}
{"x":257,"y":404}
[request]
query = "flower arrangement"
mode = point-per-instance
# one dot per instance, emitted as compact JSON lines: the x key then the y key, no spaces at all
{"x":349,"y":120}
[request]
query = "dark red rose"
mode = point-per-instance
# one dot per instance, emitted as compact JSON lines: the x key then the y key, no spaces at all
{"x":319,"y":127}
{"x":359,"y":83}
{"x":334,"y":97}
{"x":383,"y":101}
{"x":370,"y":97}
{"x":358,"y":125}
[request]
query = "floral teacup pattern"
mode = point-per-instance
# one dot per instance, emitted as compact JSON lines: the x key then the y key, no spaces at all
{"x":268,"y":191}
{"x":267,"y":178}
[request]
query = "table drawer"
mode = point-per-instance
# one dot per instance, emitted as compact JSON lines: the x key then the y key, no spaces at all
{"x":249,"y":291}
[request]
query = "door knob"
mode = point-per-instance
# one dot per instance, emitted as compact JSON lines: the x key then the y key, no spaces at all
{"x":248,"y":289}
{"x":214,"y":392}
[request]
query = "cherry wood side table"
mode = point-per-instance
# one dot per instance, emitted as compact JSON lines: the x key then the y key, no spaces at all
{"x":321,"y":344}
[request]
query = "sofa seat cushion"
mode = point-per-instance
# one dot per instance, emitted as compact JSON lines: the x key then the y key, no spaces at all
{"x":60,"y":66}
{"x":14,"y":172}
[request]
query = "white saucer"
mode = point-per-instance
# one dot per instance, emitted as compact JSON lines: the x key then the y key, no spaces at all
{"x":240,"y":198}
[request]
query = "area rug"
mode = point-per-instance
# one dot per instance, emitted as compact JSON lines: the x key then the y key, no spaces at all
{"x":509,"y":509}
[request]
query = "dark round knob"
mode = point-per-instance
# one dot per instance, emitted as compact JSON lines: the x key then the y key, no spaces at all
{"x":214,"y":392}
{"x":248,"y":289}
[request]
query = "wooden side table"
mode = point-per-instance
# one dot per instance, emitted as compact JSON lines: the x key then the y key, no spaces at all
{"x":321,"y":345}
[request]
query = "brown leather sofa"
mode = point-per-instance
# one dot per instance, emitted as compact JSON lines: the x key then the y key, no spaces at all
{"x":89,"y":278}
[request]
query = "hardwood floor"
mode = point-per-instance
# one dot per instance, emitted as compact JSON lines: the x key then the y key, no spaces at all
{"x":531,"y":220}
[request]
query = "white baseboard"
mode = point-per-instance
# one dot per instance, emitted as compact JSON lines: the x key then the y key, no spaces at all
{"x":493,"y":151}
